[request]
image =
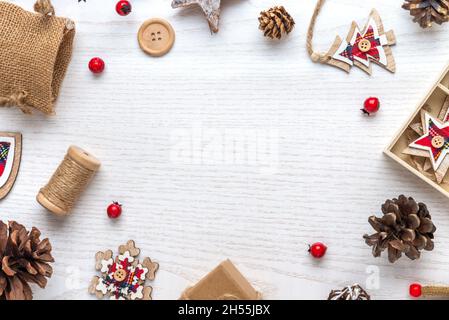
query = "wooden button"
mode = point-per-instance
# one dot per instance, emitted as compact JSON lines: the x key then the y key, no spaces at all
{"x":437,"y":142}
{"x":119,"y":275}
{"x":156,"y":37}
{"x":364,"y":45}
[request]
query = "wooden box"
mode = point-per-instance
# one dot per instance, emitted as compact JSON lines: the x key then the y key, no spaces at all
{"x":225,"y":282}
{"x":433,"y":103}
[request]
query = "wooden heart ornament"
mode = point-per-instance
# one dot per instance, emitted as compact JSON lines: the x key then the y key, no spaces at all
{"x":10,"y":155}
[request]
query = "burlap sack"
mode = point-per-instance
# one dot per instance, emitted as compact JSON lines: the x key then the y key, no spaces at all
{"x":35,"y":50}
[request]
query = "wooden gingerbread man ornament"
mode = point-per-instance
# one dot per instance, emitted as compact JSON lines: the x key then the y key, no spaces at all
{"x":360,"y":48}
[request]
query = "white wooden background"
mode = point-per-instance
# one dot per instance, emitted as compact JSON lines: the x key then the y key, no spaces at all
{"x":261,"y":208}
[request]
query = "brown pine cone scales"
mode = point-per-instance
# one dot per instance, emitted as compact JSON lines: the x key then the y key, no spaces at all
{"x":406,"y":227}
{"x":354,"y":292}
{"x":275,"y":22}
{"x":24,"y":259}
{"x":425,"y":12}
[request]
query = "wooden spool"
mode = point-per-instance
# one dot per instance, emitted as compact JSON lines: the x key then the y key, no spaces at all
{"x":68,"y":182}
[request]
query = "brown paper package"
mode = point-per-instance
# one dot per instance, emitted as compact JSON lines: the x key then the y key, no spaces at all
{"x":35,"y":50}
{"x":225,"y":282}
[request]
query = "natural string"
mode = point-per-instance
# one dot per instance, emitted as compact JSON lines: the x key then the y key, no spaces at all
{"x":67,"y":184}
{"x":16,"y":99}
{"x":435,"y":291}
{"x":44,"y":7}
{"x":315,"y":56}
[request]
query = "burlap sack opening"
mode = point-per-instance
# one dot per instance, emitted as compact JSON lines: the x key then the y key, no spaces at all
{"x":35,"y":51}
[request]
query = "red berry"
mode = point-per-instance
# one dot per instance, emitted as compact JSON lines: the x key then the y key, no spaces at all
{"x":415,"y":290}
{"x":114,"y":210}
{"x":371,"y":105}
{"x":317,"y":250}
{"x":123,"y":7}
{"x":96,"y":65}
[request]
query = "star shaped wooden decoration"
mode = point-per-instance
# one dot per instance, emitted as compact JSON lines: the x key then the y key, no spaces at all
{"x":435,"y":140}
{"x":211,"y":9}
{"x":419,"y":128}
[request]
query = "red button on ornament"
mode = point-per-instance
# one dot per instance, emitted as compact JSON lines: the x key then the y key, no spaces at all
{"x":123,"y":7}
{"x":114,"y":210}
{"x":96,"y":65}
{"x":371,"y":106}
{"x":415,"y":290}
{"x":317,"y":250}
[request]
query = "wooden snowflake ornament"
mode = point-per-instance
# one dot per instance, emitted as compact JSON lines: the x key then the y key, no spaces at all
{"x":360,"y":48}
{"x":123,"y":278}
{"x":211,"y":9}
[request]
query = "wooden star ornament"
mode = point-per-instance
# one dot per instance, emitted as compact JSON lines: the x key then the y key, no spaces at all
{"x":431,"y":143}
{"x":211,"y":9}
{"x":435,"y":140}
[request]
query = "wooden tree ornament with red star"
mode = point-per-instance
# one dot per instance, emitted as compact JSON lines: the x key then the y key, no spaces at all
{"x":360,"y":48}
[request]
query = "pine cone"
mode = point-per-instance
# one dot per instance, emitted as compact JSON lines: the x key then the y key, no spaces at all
{"x":406,"y":227}
{"x":24,"y":259}
{"x":276,"y":21}
{"x":354,"y":292}
{"x":427,"y":11}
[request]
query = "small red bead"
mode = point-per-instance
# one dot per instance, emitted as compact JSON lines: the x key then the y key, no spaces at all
{"x":415,"y":290}
{"x":96,"y":65}
{"x":317,"y":250}
{"x":114,"y":210}
{"x":123,"y":7}
{"x":371,"y":105}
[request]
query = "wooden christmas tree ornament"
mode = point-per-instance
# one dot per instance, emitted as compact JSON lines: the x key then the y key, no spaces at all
{"x":10,"y":156}
{"x":68,"y":182}
{"x":360,"y":48}
{"x":225,"y":282}
{"x":211,"y":9}
{"x":124,"y":277}
{"x":35,"y":51}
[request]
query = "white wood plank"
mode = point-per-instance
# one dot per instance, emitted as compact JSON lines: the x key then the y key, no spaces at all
{"x":259,"y":213}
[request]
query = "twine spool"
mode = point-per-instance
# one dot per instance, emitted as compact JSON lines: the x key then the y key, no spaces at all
{"x":435,"y":291}
{"x":68,"y":182}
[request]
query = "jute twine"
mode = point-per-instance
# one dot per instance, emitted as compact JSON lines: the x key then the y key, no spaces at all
{"x":435,"y":291}
{"x":68,"y":182}
{"x":315,"y":56}
{"x":35,"y":51}
{"x":44,"y":7}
